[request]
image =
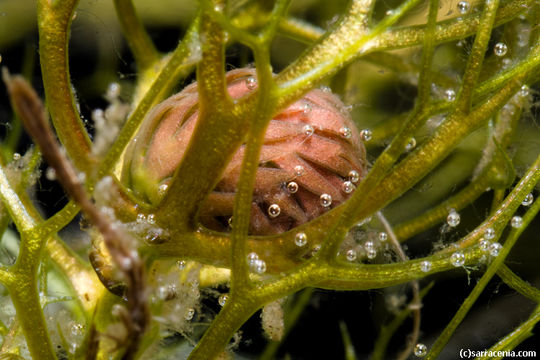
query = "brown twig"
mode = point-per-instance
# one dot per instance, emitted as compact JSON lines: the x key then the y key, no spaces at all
{"x":30,"y":109}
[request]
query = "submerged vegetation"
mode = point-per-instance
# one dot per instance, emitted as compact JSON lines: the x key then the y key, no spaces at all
{"x":173,"y":238}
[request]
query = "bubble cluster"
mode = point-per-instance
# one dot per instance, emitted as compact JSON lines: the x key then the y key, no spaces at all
{"x":255,"y":264}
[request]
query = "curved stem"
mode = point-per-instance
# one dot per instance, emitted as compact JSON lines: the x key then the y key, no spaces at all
{"x":141,"y":45}
{"x":54,"y":20}
{"x":443,"y":339}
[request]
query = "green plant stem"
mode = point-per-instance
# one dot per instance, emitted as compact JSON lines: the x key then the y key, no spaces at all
{"x":26,"y":301}
{"x":513,"y":339}
{"x":435,"y":215}
{"x":507,"y":208}
{"x":334,"y":50}
{"x":482,"y":283}
{"x":250,"y":163}
{"x":143,"y":49}
{"x":54,"y":20}
{"x":476,"y":58}
{"x":516,"y":283}
{"x":204,"y":159}
{"x":225,"y":324}
{"x":23,"y":285}
{"x":180,"y":62}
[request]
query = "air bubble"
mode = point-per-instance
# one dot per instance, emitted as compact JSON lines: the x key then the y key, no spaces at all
{"x":489,"y":234}
{"x":350,"y":255}
{"x":457,"y":259}
{"x":251,"y":257}
{"x":516,"y":222}
{"x":274,"y":210}
{"x":463,"y":7}
{"x":354,"y":176}
{"x":181,"y":264}
{"x":411,"y":144}
{"x":453,"y":218}
{"x":50,"y":174}
{"x":369,"y":245}
{"x":524,"y":91}
{"x":306,"y":108}
{"x":308,"y":130}
{"x":383,"y":236}
{"x":162,"y":189}
{"x":141,"y":218}
{"x":371,"y":253}
{"x":325,"y":200}
{"x":16,"y":156}
{"x":292,"y":187}
{"x":347,"y":187}
{"x":258,"y":266}
{"x":484,"y":244}
{"x":450,"y":95}
{"x":153,"y":235}
{"x":300,"y":239}
{"x":151,"y":219}
{"x":251,"y":83}
{"x":425,"y":266}
{"x":113,"y":91}
{"x":528,"y":200}
{"x":345,"y":132}
{"x":495,"y":249}
{"x":223,"y":299}
{"x":500,"y":49}
{"x":189,"y":314}
{"x":298,"y":170}
{"x":389,"y":12}
{"x":420,"y":350}
{"x":366,"y":134}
